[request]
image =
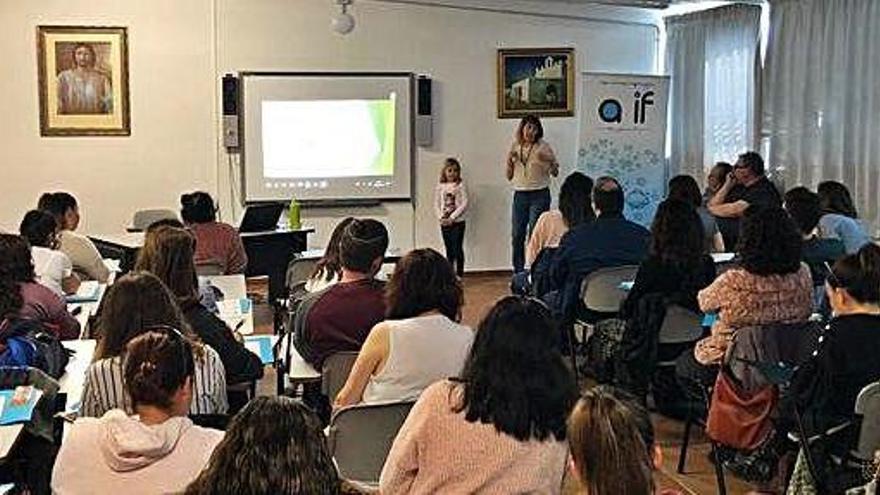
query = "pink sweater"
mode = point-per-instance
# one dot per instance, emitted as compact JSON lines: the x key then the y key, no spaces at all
{"x":218,"y":242}
{"x":548,"y":232}
{"x":438,"y":451}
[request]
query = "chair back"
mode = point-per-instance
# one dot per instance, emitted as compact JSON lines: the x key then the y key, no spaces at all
{"x":299,"y":270}
{"x":601,"y":291}
{"x":360,"y":438}
{"x":335,"y":371}
{"x":789,"y":343}
{"x":144,"y":218}
{"x":209,"y":269}
{"x":680,"y":325}
{"x":868,"y":407}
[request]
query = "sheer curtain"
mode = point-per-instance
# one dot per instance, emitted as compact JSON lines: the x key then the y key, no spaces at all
{"x":821,"y":96}
{"x":713,"y":58}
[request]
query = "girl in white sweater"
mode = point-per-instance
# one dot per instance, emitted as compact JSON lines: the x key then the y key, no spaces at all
{"x":451,"y":202}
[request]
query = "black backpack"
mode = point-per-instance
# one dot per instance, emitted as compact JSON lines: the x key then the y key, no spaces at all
{"x":28,"y":343}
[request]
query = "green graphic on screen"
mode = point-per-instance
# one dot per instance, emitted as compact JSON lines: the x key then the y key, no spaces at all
{"x":328,"y":138}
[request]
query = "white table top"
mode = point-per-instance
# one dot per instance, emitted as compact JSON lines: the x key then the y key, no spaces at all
{"x":233,"y":288}
{"x":88,"y":309}
{"x":131,"y":240}
{"x":74,"y":377}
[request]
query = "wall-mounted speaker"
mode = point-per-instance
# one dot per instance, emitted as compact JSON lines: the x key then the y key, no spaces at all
{"x":230,"y":111}
{"x":424,"y":112}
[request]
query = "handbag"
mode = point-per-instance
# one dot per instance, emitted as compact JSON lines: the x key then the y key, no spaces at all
{"x":739,"y":418}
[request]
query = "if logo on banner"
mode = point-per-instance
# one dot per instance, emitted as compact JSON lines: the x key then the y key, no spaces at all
{"x":611,"y":110}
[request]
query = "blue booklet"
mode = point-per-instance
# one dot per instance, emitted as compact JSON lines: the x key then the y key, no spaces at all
{"x":88,"y":292}
{"x":18,"y":413}
{"x":261,"y":345}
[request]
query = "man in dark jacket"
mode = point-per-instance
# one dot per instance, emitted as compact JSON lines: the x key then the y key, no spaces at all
{"x":610,"y":240}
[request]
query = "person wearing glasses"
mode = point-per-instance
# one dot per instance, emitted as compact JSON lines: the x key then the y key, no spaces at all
{"x":745,"y":186}
{"x":152,"y":448}
{"x":216,"y":242}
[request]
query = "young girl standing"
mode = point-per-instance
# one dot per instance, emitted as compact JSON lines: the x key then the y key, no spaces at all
{"x":451,"y":202}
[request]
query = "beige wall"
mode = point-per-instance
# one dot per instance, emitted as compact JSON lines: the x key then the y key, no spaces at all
{"x":179,"y":49}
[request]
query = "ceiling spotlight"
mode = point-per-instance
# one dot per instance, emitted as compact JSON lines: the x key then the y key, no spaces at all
{"x":343,"y":22}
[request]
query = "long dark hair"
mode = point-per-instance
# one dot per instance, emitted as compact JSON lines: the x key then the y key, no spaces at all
{"x":607,"y":445}
{"x":685,"y":188}
{"x":514,"y":377}
{"x":423,"y":281}
{"x":16,"y":268}
{"x":859,"y":274}
{"x":168,"y":253}
{"x":135,"y":302}
{"x":834,"y":197}
{"x":575,"y":200}
{"x":274,"y":445}
{"x":769,"y":242}
{"x":329,"y":266}
{"x":677,"y":234}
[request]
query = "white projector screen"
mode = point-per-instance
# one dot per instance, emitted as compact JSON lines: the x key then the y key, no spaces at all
{"x":327,"y":136}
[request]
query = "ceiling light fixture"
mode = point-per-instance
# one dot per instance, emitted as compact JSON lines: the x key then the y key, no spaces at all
{"x":343,"y":22}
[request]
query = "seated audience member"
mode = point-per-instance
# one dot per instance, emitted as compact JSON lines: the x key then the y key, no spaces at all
{"x":168,"y":254}
{"x":339,"y":318}
{"x":328,"y":271}
{"x":21,"y":297}
{"x":574,"y":209}
{"x":684,"y":188}
{"x":674,"y":271}
{"x":216,"y":242}
{"x":421,"y":340}
{"x":273,"y":446}
{"x":610,"y":240}
{"x":80,"y":249}
{"x":612,"y":444}
{"x":137,"y":302}
{"x":499,"y":427}
{"x":825,"y":388}
{"x":803,"y":207}
{"x":840,"y":220}
{"x":53,"y":268}
{"x":155,"y":450}
{"x":745,"y":186}
{"x":717,"y":175}
{"x":770,"y":285}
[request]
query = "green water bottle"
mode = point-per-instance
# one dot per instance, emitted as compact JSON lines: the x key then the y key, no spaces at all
{"x":293,"y":220}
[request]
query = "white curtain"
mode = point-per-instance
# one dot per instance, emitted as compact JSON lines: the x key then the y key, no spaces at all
{"x":712,"y":57}
{"x":821,"y":96}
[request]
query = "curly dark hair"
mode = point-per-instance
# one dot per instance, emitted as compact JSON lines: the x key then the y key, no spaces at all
{"x":677,"y":234}
{"x":329,"y":266}
{"x":273,"y":445}
{"x":769,"y":242}
{"x":16,"y":268}
{"x":514,"y":377}
{"x":685,"y":188}
{"x":535,"y":121}
{"x":575,"y":200}
{"x":423,"y":281}
{"x":859,"y":274}
{"x":835,"y":198}
{"x":197,"y":207}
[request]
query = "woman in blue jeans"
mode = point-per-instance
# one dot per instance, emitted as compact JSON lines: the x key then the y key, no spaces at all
{"x":530,"y":164}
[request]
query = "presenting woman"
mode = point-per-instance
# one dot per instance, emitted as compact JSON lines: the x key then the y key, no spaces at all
{"x":530,"y":163}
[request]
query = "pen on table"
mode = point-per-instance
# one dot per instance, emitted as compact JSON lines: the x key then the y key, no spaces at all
{"x":239,"y":325}
{"x":77,"y":310}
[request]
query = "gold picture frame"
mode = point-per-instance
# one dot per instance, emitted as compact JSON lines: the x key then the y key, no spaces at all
{"x":537,"y":81}
{"x":83,"y":81}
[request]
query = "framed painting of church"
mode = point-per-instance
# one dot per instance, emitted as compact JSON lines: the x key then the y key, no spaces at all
{"x":83,"y":81}
{"x":538,"y":81}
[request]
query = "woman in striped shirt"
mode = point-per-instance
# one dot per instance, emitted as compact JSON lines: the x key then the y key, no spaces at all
{"x":135,"y":303}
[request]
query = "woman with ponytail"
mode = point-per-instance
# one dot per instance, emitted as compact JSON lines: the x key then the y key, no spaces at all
{"x":826,"y":387}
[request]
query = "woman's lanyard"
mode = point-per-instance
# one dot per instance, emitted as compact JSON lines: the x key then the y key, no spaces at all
{"x":525,"y":159}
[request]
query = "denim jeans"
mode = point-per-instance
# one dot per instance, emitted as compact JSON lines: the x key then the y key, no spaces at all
{"x":527,"y":207}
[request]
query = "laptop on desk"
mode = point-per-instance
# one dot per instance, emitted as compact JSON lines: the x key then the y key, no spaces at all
{"x":261,"y":218}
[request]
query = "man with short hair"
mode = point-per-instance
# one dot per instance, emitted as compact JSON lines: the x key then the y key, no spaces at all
{"x":340,"y":317}
{"x":610,"y":240}
{"x":80,"y":249}
{"x":746,"y":186}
